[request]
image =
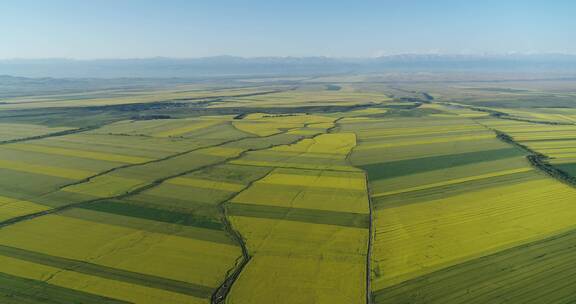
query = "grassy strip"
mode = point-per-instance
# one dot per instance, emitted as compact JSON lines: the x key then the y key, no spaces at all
{"x":15,"y":289}
{"x":325,"y":217}
{"x":194,"y":290}
{"x":159,"y":215}
{"x":202,"y":234}
{"x":411,"y":166}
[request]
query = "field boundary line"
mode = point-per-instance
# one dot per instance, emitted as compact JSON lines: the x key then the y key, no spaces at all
{"x":369,"y":297}
{"x":89,"y":178}
{"x":236,"y":235}
{"x":223,"y":290}
{"x":219,"y":296}
{"x":539,"y":160}
{"x":54,"y":134}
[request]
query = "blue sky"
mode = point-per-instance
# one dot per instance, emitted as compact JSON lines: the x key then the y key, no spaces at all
{"x":361,"y":28}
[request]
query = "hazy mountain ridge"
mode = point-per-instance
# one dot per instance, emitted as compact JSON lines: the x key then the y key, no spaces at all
{"x":232,"y":65}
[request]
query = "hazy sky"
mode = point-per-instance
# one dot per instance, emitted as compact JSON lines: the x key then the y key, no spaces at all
{"x":195,"y":28}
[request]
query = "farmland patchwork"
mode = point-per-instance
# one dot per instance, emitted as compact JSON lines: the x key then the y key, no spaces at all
{"x":285,"y":194}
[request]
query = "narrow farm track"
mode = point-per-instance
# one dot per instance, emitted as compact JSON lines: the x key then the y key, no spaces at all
{"x":219,"y":296}
{"x":369,"y":298}
{"x":223,"y":290}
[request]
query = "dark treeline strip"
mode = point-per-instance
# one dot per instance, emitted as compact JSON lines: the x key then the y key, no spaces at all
{"x":539,"y":160}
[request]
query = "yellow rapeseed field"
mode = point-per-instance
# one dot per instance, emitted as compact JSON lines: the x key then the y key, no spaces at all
{"x":301,"y":263}
{"x":415,"y":239}
{"x":72,"y":236}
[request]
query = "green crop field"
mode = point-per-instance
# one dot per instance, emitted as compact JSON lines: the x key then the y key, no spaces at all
{"x":290,"y":190}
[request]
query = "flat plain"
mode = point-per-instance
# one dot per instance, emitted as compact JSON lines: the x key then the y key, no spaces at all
{"x":264,"y":190}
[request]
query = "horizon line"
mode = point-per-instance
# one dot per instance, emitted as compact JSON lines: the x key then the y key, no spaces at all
{"x":439,"y":54}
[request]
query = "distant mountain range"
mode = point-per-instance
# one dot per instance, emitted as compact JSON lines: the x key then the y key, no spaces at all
{"x":230,"y":65}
